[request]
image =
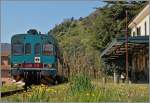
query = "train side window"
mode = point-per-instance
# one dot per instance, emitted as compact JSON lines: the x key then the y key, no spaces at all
{"x":37,"y":48}
{"x":27,"y":48}
{"x":47,"y":49}
{"x":17,"y":49}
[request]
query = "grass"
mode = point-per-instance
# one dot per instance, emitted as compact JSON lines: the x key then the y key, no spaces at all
{"x":80,"y":83}
{"x":77,"y":91}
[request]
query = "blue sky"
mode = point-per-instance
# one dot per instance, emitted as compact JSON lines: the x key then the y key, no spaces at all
{"x":19,"y":16}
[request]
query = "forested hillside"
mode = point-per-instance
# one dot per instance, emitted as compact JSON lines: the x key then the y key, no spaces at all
{"x":83,"y":40}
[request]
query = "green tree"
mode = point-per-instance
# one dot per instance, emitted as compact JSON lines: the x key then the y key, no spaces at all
{"x":82,"y":40}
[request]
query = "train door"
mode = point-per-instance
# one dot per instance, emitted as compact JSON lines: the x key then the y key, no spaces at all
{"x":37,"y":53}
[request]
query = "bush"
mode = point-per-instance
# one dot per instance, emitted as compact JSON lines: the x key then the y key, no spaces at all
{"x":80,"y":83}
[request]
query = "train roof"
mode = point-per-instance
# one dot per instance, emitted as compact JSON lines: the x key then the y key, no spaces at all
{"x":41,"y":35}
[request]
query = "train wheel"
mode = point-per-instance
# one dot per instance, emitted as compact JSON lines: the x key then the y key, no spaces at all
{"x":25,"y":79}
{"x":40,"y":77}
{"x":37,"y":77}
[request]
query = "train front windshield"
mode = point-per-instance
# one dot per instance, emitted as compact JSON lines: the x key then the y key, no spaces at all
{"x":17,"y":49}
{"x":48,"y":49}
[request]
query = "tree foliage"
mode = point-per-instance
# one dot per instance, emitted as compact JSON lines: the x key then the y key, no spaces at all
{"x":85,"y":37}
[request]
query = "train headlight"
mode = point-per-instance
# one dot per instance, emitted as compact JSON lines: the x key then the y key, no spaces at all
{"x":15,"y":65}
{"x":49,"y":65}
{"x":45,"y":65}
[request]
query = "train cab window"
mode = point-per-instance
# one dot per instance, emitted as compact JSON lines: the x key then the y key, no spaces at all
{"x":17,"y":49}
{"x":37,"y":49}
{"x":47,"y":49}
{"x":27,"y":48}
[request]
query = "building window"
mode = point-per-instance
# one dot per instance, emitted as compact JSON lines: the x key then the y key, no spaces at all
{"x":27,"y":48}
{"x":133,"y":33}
{"x":145,"y":29}
{"x":138,"y":31}
{"x":4,"y":60}
{"x":37,"y":49}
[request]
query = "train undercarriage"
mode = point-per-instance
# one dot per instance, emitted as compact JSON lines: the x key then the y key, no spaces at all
{"x":41,"y":76}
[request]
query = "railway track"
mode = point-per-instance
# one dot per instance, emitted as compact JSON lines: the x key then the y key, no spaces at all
{"x":12,"y":92}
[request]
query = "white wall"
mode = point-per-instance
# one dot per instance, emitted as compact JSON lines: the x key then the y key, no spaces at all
{"x":142,"y":25}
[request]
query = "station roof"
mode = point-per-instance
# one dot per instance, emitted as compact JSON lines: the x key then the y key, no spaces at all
{"x":117,"y":47}
{"x":140,"y":16}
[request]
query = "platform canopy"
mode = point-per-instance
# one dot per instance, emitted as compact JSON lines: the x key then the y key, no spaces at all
{"x":117,"y":47}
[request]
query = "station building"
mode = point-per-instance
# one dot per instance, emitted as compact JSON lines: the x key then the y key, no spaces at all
{"x":5,"y":63}
{"x":114,"y":56}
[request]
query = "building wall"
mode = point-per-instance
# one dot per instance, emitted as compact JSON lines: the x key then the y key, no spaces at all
{"x":4,"y":61}
{"x":5,"y":68}
{"x":141,"y":25}
{"x":140,"y":66}
{"x":140,"y":59}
